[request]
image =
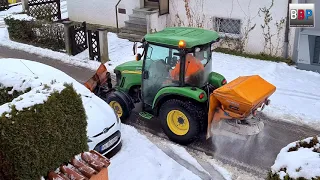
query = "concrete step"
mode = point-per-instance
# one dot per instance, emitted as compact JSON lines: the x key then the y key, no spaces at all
{"x":135,"y":24}
{"x":138,"y":18}
{"x":144,"y":11}
{"x":130,"y":37}
{"x":132,"y":31}
{"x":141,"y":29}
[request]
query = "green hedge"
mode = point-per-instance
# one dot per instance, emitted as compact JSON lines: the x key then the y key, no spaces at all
{"x":260,"y":56}
{"x":39,"y":33}
{"x":38,"y":139}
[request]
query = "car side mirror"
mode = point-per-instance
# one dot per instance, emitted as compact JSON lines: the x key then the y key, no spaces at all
{"x":138,"y":57}
{"x":134,"y":48}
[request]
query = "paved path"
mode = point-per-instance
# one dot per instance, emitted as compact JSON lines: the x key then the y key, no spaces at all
{"x":79,"y":73}
{"x":254,"y":154}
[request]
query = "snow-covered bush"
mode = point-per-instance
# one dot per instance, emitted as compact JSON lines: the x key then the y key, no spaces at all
{"x":299,"y":160}
{"x":41,"y":33}
{"x":40,"y":129}
{"x":7,"y":95}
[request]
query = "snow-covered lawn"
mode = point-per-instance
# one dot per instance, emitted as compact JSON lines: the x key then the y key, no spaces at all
{"x":300,"y":159}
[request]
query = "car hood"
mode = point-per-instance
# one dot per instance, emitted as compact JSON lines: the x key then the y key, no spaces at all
{"x":99,"y":114}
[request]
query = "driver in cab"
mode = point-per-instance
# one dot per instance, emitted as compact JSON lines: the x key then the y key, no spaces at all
{"x":193,"y":69}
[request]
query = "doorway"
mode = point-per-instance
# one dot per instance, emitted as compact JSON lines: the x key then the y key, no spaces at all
{"x":151,"y":3}
{"x":161,"y":5}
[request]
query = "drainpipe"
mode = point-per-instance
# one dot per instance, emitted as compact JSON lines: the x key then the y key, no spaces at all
{"x":117,"y":15}
{"x":286,"y":34}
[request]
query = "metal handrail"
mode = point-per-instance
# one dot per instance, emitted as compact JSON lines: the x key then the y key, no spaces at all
{"x":117,"y":15}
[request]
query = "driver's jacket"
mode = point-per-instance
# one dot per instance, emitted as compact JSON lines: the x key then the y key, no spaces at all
{"x":193,"y":66}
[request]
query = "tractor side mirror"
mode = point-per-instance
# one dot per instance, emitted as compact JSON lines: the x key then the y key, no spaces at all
{"x":138,"y":57}
{"x":134,"y":48}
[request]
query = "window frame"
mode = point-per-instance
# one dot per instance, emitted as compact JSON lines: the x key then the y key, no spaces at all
{"x":217,"y":25}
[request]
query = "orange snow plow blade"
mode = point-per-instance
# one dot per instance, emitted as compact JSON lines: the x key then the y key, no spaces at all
{"x":100,"y":77}
{"x":238,"y":99}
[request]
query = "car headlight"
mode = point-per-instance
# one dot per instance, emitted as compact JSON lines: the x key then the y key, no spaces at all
{"x":118,"y":119}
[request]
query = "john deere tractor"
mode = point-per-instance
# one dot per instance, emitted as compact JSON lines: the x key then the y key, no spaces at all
{"x":180,"y":103}
{"x":173,"y":80}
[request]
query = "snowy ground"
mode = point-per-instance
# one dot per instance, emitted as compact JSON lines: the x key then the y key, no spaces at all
{"x":141,"y":159}
{"x":202,"y":164}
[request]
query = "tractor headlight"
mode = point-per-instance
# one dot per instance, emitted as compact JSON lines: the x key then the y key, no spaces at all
{"x":118,"y":76}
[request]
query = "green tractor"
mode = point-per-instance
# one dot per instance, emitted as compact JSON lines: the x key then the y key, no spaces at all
{"x":172,"y":78}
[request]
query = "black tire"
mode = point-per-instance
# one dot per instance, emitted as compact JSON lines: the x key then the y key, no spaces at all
{"x":196,"y":117}
{"x":126,"y":110}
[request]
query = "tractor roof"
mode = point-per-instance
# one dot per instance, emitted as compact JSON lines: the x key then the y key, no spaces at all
{"x":192,"y":36}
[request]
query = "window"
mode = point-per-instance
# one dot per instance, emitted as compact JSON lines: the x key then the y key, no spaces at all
{"x":316,"y":57}
{"x":227,"y":26}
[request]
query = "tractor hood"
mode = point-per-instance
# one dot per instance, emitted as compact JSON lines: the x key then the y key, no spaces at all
{"x":130,"y":66}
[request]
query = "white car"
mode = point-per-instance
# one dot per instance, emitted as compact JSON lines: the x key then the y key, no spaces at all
{"x":103,"y":129}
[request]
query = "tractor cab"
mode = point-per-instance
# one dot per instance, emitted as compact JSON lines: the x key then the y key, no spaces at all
{"x":176,"y":57}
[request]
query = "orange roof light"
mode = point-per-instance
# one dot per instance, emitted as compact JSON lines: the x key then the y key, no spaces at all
{"x":182,"y":44}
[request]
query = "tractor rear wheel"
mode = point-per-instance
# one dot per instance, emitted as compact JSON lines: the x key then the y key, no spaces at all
{"x":182,"y":121}
{"x":119,"y":105}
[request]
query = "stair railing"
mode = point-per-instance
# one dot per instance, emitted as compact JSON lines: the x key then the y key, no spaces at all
{"x":117,"y":15}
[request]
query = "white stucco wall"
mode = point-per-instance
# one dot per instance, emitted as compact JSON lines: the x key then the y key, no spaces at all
{"x":201,"y":15}
{"x":157,"y":23}
{"x":100,"y":11}
{"x":203,"y":11}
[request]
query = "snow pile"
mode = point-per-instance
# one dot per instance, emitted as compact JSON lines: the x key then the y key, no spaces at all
{"x":21,"y":17}
{"x":225,"y":173}
{"x":300,"y":159}
{"x":182,"y":152}
{"x":141,"y":159}
{"x":11,"y":10}
{"x":38,"y":94}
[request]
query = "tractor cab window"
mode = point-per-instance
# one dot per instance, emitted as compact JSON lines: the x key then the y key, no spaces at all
{"x":159,"y":60}
{"x":204,"y":55}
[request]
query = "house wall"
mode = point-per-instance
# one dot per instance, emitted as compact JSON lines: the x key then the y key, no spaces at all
{"x":200,"y":13}
{"x":100,"y":11}
{"x":157,"y":23}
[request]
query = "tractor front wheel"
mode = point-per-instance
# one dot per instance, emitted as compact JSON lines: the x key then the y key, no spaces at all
{"x":119,"y":105}
{"x":181,"y":121}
